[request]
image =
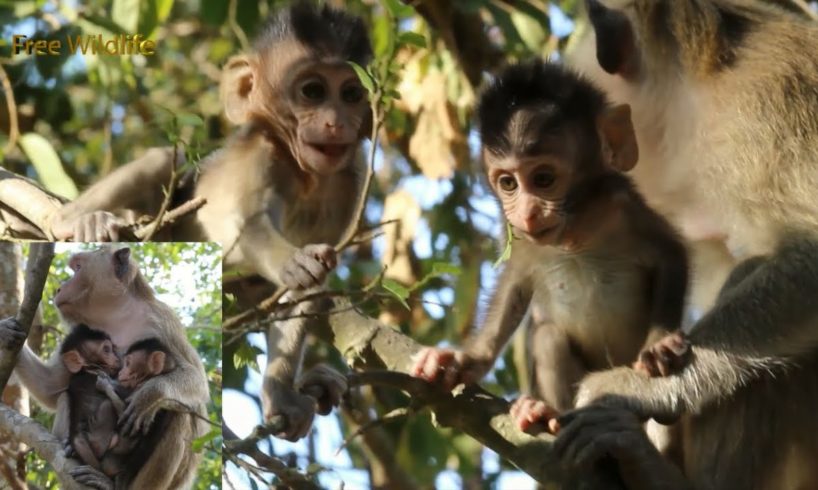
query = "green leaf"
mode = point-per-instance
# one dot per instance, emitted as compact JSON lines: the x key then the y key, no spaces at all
{"x":366,"y":80}
{"x":507,"y":250}
{"x":103,"y":22}
{"x":126,"y":14}
{"x":199,"y":442}
{"x":254,"y":484}
{"x":187,"y":119}
{"x":246,"y":355}
{"x":441,"y":268}
{"x":48,"y":166}
{"x":398,"y":290}
{"x":412,"y":38}
{"x":398,"y":9}
{"x":530,"y":30}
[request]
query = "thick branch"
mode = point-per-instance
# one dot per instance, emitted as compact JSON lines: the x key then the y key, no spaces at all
{"x":39,"y":261}
{"x":29,"y":201}
{"x":34,"y":435}
{"x":370,"y":345}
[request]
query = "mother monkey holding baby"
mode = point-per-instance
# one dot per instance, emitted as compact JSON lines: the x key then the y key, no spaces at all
{"x":107,"y":292}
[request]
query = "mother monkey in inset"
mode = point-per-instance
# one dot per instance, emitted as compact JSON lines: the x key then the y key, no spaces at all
{"x":107,"y":292}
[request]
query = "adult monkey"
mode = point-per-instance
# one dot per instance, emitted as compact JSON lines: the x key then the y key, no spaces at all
{"x":723,"y":94}
{"x":108,"y":293}
{"x":281,"y":192}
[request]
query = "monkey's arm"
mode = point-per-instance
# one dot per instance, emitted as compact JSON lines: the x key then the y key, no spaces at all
{"x":105,"y":385}
{"x":766,"y":321}
{"x":135,"y":186}
{"x":506,"y":310}
{"x":451,"y":367}
{"x":60,"y":429}
{"x":45,"y":380}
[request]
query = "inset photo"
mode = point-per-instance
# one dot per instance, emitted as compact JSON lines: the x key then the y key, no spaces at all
{"x":110,"y":366}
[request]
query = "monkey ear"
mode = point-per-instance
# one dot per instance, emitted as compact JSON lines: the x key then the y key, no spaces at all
{"x":73,"y":361}
{"x":615,"y":47}
{"x":122,"y":262}
{"x":616,"y":129}
{"x":156,"y":362}
{"x":238,"y":82}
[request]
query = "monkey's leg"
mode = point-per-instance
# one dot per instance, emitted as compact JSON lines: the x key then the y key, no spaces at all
{"x":285,"y":350}
{"x":172,"y":465}
{"x":557,"y":369}
{"x":102,"y":435}
{"x":84,"y":450}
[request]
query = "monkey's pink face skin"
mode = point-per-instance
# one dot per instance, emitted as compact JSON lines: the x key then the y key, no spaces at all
{"x":532,"y":194}
{"x":330,"y":105}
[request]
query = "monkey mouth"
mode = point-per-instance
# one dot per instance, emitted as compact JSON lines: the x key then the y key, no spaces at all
{"x":330,"y":150}
{"x":543,"y":232}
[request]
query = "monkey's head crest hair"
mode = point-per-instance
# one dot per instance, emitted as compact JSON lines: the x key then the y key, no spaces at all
{"x":326,"y":30}
{"x":557,"y":92}
{"x":79,"y":334}
{"x":151,"y":344}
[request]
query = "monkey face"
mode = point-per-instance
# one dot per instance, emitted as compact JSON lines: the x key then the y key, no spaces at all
{"x":98,"y":275}
{"x":330,"y":105}
{"x":140,"y":365}
{"x":105,"y":354}
{"x":532,"y":192}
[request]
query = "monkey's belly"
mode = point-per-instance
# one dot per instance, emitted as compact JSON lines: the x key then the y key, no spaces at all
{"x":603,"y":309}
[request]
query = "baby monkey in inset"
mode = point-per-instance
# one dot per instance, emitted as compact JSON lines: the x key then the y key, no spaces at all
{"x":96,"y":400}
{"x":603,"y":272}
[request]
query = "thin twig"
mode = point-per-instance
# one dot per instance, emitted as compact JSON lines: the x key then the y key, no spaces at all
{"x":170,"y":217}
{"x":154,"y":227}
{"x":234,"y":25}
{"x":11,"y":104}
{"x":803,"y":5}
{"x":396,"y":414}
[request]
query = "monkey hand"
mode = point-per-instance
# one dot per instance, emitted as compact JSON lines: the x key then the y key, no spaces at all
{"x":534,"y":416}
{"x":666,"y":357}
{"x":448,"y":367}
{"x":96,"y":226}
{"x":68,"y":449}
{"x":587,"y":435}
{"x":92,"y":478}
{"x":142,"y":408}
{"x":625,"y":388}
{"x":12,"y":335}
{"x":325,"y":384}
{"x":290,"y":412}
{"x":309,"y":266}
{"x":104,"y":381}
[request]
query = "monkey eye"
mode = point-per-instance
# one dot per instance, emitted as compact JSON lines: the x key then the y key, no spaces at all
{"x":352,"y":94}
{"x":314,"y":91}
{"x":543,"y":180}
{"x":507,"y":183}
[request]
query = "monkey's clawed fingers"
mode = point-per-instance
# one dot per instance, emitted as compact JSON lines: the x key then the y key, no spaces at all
{"x":309,"y":266}
{"x":139,"y":414}
{"x":439,"y":365}
{"x":92,"y":478}
{"x":12,"y":335}
{"x":97,"y":226}
{"x":533,"y":416}
{"x":325,"y":384}
{"x":666,"y":357}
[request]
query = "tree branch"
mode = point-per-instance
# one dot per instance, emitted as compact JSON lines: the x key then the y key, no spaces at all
{"x":368,"y":345}
{"x":48,"y":447}
{"x":39,"y":261}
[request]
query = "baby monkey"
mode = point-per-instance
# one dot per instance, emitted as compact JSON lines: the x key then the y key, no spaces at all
{"x":96,"y":401}
{"x":603,"y":271}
